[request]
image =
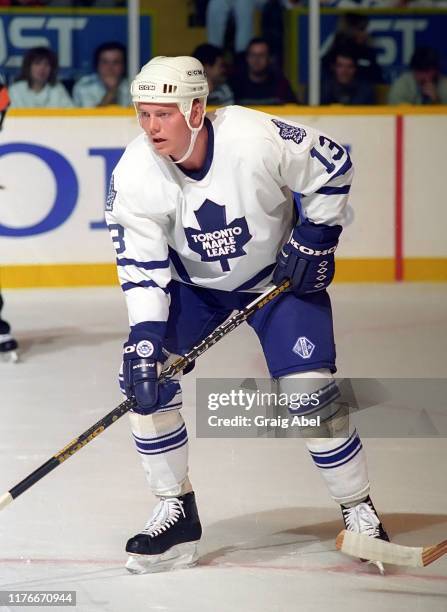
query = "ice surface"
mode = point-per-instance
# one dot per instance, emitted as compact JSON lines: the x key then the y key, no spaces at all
{"x":269,"y":524}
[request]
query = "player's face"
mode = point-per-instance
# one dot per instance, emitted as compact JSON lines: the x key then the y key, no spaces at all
{"x":166,"y":128}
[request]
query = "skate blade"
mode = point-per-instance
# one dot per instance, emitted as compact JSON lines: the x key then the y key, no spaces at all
{"x":177,"y":557}
{"x":379,"y":566}
{"x":10,"y":357}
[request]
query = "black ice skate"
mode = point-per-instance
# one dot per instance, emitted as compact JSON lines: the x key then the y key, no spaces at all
{"x":363,"y":518}
{"x":169,"y":539}
{"x":8,"y":348}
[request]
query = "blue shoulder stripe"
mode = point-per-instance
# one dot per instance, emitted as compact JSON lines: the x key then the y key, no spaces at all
{"x":145,"y":265}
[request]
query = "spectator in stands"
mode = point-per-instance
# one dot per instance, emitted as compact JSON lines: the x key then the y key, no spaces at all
{"x":36,"y":85}
{"x":423,"y":83}
{"x":217,"y":14}
{"x":260,"y":82}
{"x":216,"y":72}
{"x":200,"y":7}
{"x":108,"y":85}
{"x":4,"y":99}
{"x":352,"y":29}
{"x":344,"y":85}
{"x":272,"y":26}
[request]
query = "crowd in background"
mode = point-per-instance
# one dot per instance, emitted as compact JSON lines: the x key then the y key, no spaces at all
{"x":202,"y":4}
{"x":241,"y":68}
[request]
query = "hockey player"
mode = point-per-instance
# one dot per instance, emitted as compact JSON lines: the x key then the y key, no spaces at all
{"x":8,"y":345}
{"x":202,"y":215}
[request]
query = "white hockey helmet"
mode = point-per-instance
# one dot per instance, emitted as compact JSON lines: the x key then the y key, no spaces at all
{"x":171,"y":80}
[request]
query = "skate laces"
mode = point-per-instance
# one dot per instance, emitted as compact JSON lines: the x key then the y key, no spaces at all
{"x":166,"y":514}
{"x":362,"y":519}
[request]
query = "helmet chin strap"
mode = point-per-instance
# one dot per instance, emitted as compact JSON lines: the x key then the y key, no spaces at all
{"x":194,"y":133}
{"x":192,"y":142}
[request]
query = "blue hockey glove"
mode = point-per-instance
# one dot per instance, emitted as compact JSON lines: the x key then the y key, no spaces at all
{"x":141,"y":355}
{"x":308,"y":258}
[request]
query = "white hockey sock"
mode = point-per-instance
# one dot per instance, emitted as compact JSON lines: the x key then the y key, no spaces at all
{"x":162,"y":442}
{"x":342,"y":464}
{"x":335,"y":448}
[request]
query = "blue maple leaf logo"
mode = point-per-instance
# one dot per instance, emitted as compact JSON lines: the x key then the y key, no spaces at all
{"x":290,"y":132}
{"x":216,"y":240}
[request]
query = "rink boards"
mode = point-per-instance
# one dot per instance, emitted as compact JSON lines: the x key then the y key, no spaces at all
{"x":55,"y":168}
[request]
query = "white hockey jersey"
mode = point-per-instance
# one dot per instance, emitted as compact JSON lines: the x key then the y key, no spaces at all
{"x":220,"y":227}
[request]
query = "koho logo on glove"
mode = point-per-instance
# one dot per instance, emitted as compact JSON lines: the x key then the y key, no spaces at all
{"x":308,"y":251}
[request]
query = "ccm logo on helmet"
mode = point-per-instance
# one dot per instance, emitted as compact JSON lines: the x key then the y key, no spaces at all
{"x":308,"y":251}
{"x":146,"y":87}
{"x":194,"y":72}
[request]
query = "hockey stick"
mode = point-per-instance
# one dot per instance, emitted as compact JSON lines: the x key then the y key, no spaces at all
{"x":179,"y":364}
{"x":365,"y":547}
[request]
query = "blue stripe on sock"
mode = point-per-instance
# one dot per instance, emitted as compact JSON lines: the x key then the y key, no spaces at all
{"x":326,"y":395}
{"x":332,"y":459}
{"x":165,"y":450}
{"x":155,"y":438}
{"x":161,"y":443}
{"x":337,"y":448}
{"x":329,"y":467}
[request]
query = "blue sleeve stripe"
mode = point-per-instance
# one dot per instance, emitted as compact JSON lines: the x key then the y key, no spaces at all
{"x":346,"y":166}
{"x":334,"y":190}
{"x":146,"y":283}
{"x":145,"y":265}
